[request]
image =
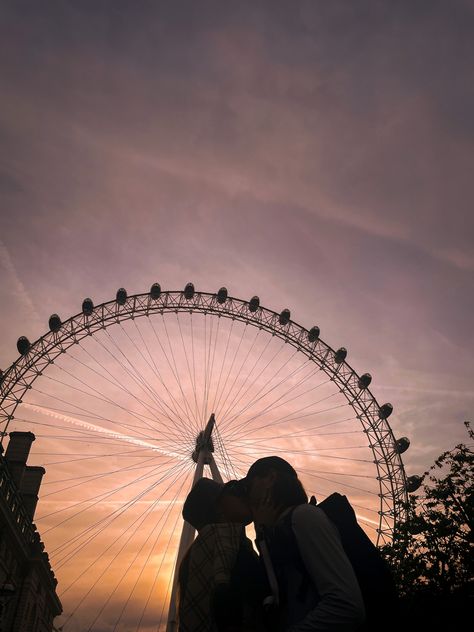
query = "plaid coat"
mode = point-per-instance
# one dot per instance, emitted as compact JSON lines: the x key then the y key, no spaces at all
{"x":207,"y":565}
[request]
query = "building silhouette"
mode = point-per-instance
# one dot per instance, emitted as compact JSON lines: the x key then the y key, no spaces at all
{"x":28,"y":599}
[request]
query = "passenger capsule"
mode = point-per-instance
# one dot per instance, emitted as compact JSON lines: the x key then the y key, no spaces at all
{"x":189,"y":291}
{"x":313,"y":334}
{"x":385,"y":411}
{"x":364,"y":381}
{"x":284,"y":317}
{"x":222,"y":295}
{"x":413,"y":483}
{"x":402,"y":445}
{"x":254,"y":304}
{"x":54,"y":323}
{"x":23,"y":345}
{"x":121,"y":296}
{"x":155,"y":291}
{"x":340,"y":355}
{"x":87,"y":307}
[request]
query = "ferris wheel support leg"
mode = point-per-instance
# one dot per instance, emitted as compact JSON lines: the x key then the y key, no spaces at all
{"x":216,"y":475}
{"x":187,"y":533}
{"x":187,"y":537}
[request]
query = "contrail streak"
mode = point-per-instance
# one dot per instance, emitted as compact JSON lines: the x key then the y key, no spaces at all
{"x":98,"y":429}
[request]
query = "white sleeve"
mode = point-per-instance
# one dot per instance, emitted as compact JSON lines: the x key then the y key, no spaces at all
{"x":340,"y":607}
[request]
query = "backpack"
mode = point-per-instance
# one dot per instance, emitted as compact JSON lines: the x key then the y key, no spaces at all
{"x":372,"y":571}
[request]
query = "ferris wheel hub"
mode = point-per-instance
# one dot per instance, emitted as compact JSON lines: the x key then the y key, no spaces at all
{"x":204,"y":442}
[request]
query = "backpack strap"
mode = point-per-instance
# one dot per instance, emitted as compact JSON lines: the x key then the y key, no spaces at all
{"x":285,"y":554}
{"x":262,"y":544}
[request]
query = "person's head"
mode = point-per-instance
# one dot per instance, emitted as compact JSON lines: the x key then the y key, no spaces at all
{"x":232,"y":505}
{"x":209,"y":502}
{"x":272,"y":479}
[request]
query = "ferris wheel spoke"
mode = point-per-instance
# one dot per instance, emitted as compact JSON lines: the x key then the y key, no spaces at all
{"x":310,"y":453}
{"x":293,"y":416}
{"x":91,"y":414}
{"x":205,"y":352}
{"x":124,"y":454}
{"x":169,"y":413}
{"x":273,"y":404}
{"x":193,"y":354}
{"x":98,"y":395}
{"x":249,"y":443}
{"x":148,"y":388}
{"x":192,"y":377}
{"x":244,"y":463}
{"x":343,"y":484}
{"x":85,"y":434}
{"x":105,"y":400}
{"x":365,"y":508}
{"x":152,"y":366}
{"x":229,"y":371}
{"x":152,"y":548}
{"x":210,"y":364}
{"x":360,"y":518}
{"x":130,"y":369}
{"x":346,"y":474}
{"x":70,"y":548}
{"x":94,"y":500}
{"x":124,"y":389}
{"x":239,"y":371}
{"x":165,"y":600}
{"x":187,"y":412}
{"x":303,"y":432}
{"x":97,"y":476}
{"x":218,"y":390}
{"x":260,"y":375}
{"x":94,"y":477}
{"x":168,"y":590}
{"x":308,"y":431}
{"x":96,"y":435}
{"x":119,"y":419}
{"x":265,"y":389}
{"x":83,"y":411}
{"x":132,"y":529}
{"x":369,"y":525}
{"x":226,"y":459}
{"x":163,"y":447}
{"x":175,"y":372}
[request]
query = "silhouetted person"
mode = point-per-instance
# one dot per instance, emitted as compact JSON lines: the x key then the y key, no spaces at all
{"x":221,"y":582}
{"x":317,"y":588}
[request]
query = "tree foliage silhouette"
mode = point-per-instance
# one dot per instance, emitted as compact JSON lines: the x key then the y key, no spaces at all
{"x":433,"y":550}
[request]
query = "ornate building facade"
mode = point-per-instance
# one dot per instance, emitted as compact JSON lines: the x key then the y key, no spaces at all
{"x":28,"y":599}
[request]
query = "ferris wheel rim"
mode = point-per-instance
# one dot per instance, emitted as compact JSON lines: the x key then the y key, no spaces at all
{"x":41,"y":353}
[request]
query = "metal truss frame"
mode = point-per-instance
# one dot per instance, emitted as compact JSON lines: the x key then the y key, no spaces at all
{"x":18,"y":379}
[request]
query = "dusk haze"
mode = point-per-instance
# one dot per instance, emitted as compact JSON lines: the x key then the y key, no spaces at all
{"x":315,"y":154}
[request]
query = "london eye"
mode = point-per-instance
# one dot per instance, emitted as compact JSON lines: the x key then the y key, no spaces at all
{"x":133,"y":399}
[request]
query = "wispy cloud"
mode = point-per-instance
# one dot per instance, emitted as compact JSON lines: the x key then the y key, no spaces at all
{"x":16,"y":285}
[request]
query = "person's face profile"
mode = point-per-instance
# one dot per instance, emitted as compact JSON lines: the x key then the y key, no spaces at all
{"x":259,"y":488}
{"x":234,"y":509}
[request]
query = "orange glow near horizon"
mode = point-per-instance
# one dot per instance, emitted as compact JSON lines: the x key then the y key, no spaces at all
{"x":116,"y":420}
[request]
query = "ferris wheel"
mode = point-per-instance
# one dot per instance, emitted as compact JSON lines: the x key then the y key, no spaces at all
{"x":134,"y":399}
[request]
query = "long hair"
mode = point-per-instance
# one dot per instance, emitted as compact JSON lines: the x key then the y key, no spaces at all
{"x":288,"y":490}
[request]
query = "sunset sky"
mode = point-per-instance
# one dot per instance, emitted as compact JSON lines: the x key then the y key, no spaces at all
{"x":318,"y":154}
